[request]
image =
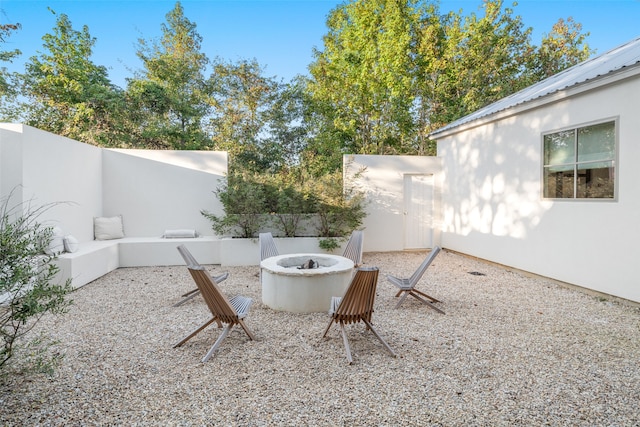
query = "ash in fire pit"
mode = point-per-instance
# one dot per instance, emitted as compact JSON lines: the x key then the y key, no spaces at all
{"x":308,"y":265}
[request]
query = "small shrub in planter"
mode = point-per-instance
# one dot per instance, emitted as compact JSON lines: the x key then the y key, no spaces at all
{"x":340,"y":210}
{"x":244,"y":201}
{"x":329,"y":244}
{"x":255,"y":203}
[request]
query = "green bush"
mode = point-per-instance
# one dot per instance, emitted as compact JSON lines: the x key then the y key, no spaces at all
{"x":292,"y":204}
{"x":253,"y":202}
{"x":244,"y":204}
{"x":27,"y":276}
{"x":329,"y":244}
{"x":340,"y":208}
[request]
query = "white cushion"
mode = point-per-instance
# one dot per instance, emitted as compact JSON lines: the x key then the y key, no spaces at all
{"x":108,"y":228}
{"x":182,"y":233}
{"x":70,"y":243}
{"x":56,"y":246}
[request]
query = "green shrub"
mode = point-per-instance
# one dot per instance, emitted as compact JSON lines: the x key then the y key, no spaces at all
{"x":253,"y":202}
{"x":340,"y":207}
{"x":244,"y":203}
{"x":27,"y":276}
{"x":329,"y":244}
{"x":291,"y":206}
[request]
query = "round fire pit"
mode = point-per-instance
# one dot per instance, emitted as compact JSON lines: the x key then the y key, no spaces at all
{"x":289,"y":285}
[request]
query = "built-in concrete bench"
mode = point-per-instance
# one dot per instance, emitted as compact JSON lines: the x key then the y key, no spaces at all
{"x":96,"y":258}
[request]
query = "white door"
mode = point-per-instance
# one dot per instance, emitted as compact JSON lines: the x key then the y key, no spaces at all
{"x":418,"y":211}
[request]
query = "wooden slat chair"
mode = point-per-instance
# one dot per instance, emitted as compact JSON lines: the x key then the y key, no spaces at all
{"x":353,"y":250}
{"x":190,"y":260}
{"x":356,"y":306}
{"x":267,"y":246}
{"x":230,"y":311}
{"x":408,"y":286}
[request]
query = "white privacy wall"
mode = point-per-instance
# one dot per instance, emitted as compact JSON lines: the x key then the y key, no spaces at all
{"x":382,"y":180}
{"x":43,"y":168}
{"x":492,"y":203}
{"x":152,"y":190}
{"x":156,"y":191}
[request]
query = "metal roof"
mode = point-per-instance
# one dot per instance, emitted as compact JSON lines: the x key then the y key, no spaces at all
{"x":620,"y":57}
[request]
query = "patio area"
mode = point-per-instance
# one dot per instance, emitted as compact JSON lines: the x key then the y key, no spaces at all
{"x":510,"y":350}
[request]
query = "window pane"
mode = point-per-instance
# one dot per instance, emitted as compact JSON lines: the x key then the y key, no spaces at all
{"x":559,"y":148}
{"x":596,"y":142}
{"x":558,"y":183}
{"x":595,"y":180}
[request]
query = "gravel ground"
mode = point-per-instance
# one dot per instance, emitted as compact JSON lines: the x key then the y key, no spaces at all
{"x":510,"y":350}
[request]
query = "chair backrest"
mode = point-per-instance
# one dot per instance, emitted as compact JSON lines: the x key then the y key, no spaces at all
{"x":417,"y":275}
{"x":217,"y":302}
{"x":357,"y":303}
{"x":353,"y":250}
{"x":186,"y":255}
{"x":267,"y":246}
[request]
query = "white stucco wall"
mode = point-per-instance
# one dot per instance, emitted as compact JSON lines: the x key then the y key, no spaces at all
{"x":52,"y":169}
{"x":152,"y":190}
{"x":11,"y":162}
{"x":382,"y":182}
{"x":492,"y":204}
{"x":156,"y":191}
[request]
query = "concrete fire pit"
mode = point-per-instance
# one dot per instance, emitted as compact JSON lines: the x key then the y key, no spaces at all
{"x":286,"y":286}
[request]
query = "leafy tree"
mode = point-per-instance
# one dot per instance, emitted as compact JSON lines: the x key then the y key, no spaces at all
{"x":169,"y":100}
{"x":288,"y":133}
{"x":560,"y":49}
{"x":486,"y":59}
{"x":7,"y":56}
{"x":325,"y":143}
{"x":392,"y":71}
{"x":8,"y":81}
{"x":429,"y":70}
{"x":364,"y":74}
{"x":243,"y":98}
{"x":66,"y":93}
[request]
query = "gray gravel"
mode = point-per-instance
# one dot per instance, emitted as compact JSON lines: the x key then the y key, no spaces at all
{"x":511,"y":350}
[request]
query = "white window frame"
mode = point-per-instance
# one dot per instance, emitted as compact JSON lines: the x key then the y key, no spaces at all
{"x":575,"y":163}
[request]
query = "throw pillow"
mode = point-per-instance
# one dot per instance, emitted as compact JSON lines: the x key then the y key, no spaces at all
{"x":70,"y":243}
{"x":56,"y":246}
{"x":108,"y":228}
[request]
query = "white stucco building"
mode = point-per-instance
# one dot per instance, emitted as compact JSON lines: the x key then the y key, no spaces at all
{"x":546,"y":180}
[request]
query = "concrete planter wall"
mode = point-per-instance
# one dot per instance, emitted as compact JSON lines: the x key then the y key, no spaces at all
{"x":236,"y":252}
{"x":307,"y":227}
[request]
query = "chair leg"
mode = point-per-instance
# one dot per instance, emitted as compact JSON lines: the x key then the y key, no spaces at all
{"x":222,"y":336}
{"x":346,"y":343}
{"x":384,"y":343}
{"x":328,"y":327}
{"x":247,"y":330}
{"x":426,"y":302}
{"x":190,"y":292}
{"x":187,"y":296}
{"x":194,"y":333}
{"x":429,"y":297}
{"x":401,"y":300}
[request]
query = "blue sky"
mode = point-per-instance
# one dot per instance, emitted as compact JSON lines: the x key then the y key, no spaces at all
{"x":280,"y":35}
